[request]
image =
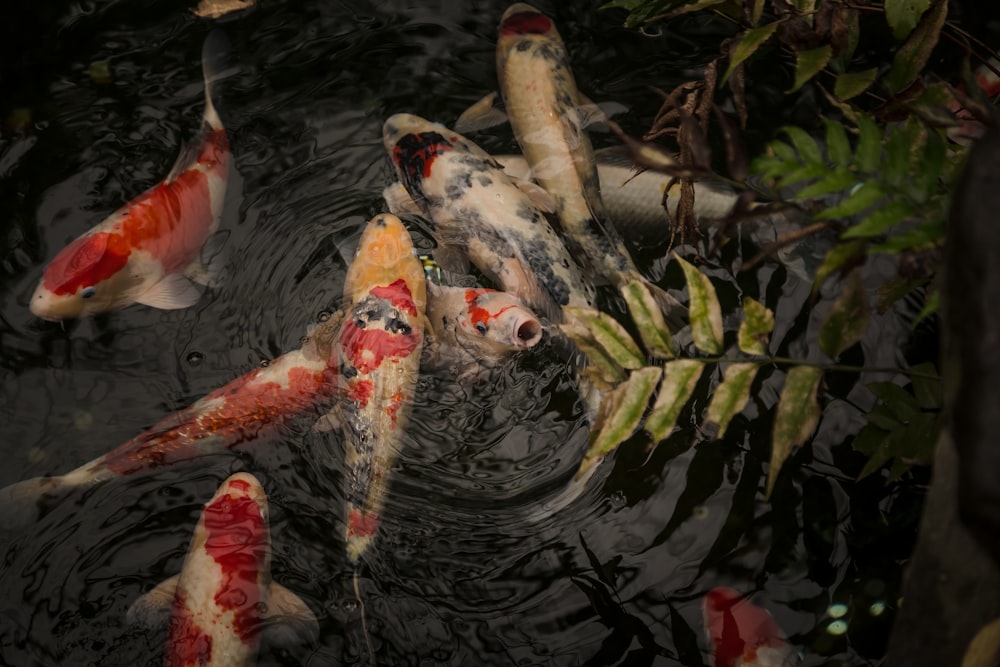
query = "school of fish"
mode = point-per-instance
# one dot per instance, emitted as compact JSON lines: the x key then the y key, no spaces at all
{"x":538,"y":230}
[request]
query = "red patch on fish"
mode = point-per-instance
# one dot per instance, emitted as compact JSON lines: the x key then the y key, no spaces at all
{"x":360,"y":391}
{"x":399,"y":295}
{"x":414,"y":154}
{"x":188,"y":644}
{"x":86,"y":262}
{"x":392,"y":410}
{"x":246,"y":410}
{"x":361,"y":524}
{"x":738,"y":628}
{"x":215,"y":149}
{"x":526,"y":23}
{"x":477,"y":313}
{"x":368,"y":348}
{"x":236,"y":538}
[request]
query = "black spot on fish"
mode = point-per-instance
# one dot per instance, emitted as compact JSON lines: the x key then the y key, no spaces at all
{"x":523,"y":45}
{"x":415,"y":153}
{"x":484,"y":180}
{"x":396,"y":325}
{"x":457,"y":185}
{"x":347,"y":371}
{"x":359,"y":323}
{"x":540,"y":263}
{"x":526,"y":211}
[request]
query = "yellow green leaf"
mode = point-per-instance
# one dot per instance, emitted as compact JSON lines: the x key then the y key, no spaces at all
{"x":730,"y":396}
{"x":602,"y":367}
{"x":848,"y":318}
{"x":680,"y":377}
{"x":620,"y":414}
{"x":755,"y":330}
{"x":852,"y":84}
{"x":649,"y":320}
{"x":913,"y":55}
{"x":610,"y":335}
{"x":810,"y":63}
{"x":704,"y":309}
{"x":746,"y":45}
{"x":795,"y":419}
{"x":903,"y":15}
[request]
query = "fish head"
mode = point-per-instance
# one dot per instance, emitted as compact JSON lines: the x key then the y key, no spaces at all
{"x":498,"y":320}
{"x":742,"y":633}
{"x":235,"y":522}
{"x":91,"y":275}
{"x":522,"y":24}
{"x":414,"y":143}
{"x":386,"y":259}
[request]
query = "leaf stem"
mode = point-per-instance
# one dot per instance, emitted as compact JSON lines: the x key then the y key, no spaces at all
{"x":786,"y":361}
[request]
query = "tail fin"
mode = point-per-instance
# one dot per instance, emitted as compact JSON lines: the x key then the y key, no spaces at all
{"x":214,"y":56}
{"x":361,"y":611}
{"x":24,"y":502}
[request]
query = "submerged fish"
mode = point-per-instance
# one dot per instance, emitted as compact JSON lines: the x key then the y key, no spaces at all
{"x":548,"y":115}
{"x":475,"y":328}
{"x":224,"y":600}
{"x":475,"y":205}
{"x":379,"y":350}
{"x":146,"y":251}
{"x":743,"y":634}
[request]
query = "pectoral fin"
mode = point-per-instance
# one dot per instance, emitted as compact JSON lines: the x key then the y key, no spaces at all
{"x":173,"y":292}
{"x":539,"y":196}
{"x":399,"y":200}
{"x":153,"y":609}
{"x":487,"y":112}
{"x":207,"y":269}
{"x":289,"y":621}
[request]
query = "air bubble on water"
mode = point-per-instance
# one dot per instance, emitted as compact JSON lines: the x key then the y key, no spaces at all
{"x":837,"y":610}
{"x":195,"y":358}
{"x":837,"y":628}
{"x":700,"y":512}
{"x":82,"y":420}
{"x":877,"y":608}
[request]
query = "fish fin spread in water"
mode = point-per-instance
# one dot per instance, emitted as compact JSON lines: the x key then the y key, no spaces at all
{"x":452,"y":259}
{"x":487,"y":112}
{"x":399,"y":200}
{"x":538,"y":195}
{"x":173,"y":292}
{"x":152,"y":610}
{"x":207,"y":268}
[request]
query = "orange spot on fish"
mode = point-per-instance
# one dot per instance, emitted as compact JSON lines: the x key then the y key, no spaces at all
{"x":399,"y":295}
{"x":368,"y":348}
{"x":187,"y":643}
{"x":360,"y":391}
{"x":361,"y":524}
{"x":477,"y":313}
{"x":525,"y":23}
{"x":86,"y":262}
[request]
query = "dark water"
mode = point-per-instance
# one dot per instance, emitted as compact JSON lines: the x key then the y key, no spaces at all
{"x":481,"y":559}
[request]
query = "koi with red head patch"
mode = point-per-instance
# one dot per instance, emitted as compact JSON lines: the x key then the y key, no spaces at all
{"x":743,"y":634}
{"x":146,"y":251}
{"x":223,"y":600}
{"x":477,"y":328}
{"x":379,"y":348}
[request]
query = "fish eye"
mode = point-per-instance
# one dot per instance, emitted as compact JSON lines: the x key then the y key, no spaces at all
{"x":481,"y":328}
{"x":88,"y":292}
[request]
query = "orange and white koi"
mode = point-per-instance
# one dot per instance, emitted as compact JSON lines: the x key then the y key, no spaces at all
{"x":224,"y":600}
{"x":146,"y":251}
{"x":297,"y":385}
{"x":743,"y":634}
{"x":379,"y":350}
{"x":476,"y":206}
{"x":548,"y":115}
{"x":476,"y":328}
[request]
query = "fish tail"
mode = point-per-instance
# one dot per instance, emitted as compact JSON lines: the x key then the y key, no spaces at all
{"x":24,"y":502}
{"x":364,"y":618}
{"x":214,"y":55}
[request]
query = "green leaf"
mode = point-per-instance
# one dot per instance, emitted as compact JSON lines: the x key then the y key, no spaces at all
{"x":784,"y":151}
{"x":680,"y":377}
{"x":806,"y":146}
{"x":901,"y":403}
{"x":902,"y":149}
{"x":883,"y":451}
{"x":619,"y":415}
{"x":803,"y":173}
{"x":840,"y":255}
{"x":747,"y":44}
{"x":929,"y":234}
{"x":927,"y":391}
{"x":860,"y":199}
{"x":913,"y":55}
{"x":704,"y":309}
{"x":852,"y":84}
{"x":880,"y":220}
{"x":903,"y":15}
{"x":838,"y":146}
{"x":731,"y":396}
{"x":869,"y":152}
{"x":610,"y":335}
{"x":931,"y":306}
{"x":795,"y":419}
{"x":927,"y":177}
{"x":756,"y":327}
{"x":834,"y":181}
{"x":847,"y":320}
{"x":602,"y":365}
{"x":810,"y":63}
{"x":649,"y":320}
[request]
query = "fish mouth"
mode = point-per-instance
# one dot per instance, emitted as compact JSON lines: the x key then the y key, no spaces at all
{"x":523,"y":19}
{"x":527,"y":332}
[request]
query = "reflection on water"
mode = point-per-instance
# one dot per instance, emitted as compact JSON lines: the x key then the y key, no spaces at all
{"x":482,"y":557}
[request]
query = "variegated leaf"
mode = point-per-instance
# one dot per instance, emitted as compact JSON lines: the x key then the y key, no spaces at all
{"x":731,"y":395}
{"x":796,"y":417}
{"x":680,"y":377}
{"x":649,"y":320}
{"x":704,"y":309}
{"x":755,"y":330}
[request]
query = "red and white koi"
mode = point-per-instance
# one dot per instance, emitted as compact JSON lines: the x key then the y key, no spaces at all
{"x":476,"y":206}
{"x":475,"y":328}
{"x":146,"y":251}
{"x":223,"y":601}
{"x":743,"y":634}
{"x":548,"y":115}
{"x":379,"y":349}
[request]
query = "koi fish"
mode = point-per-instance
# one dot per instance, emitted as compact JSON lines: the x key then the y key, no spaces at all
{"x":548,"y":115}
{"x":379,"y":350}
{"x":475,"y":328}
{"x":256,"y":405}
{"x":224,"y":601}
{"x":475,"y":205}
{"x":146,"y":251}
{"x":743,"y":634}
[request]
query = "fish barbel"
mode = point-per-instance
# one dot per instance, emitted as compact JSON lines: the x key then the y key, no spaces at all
{"x":147,"y":250}
{"x":475,"y":205}
{"x":224,"y":599}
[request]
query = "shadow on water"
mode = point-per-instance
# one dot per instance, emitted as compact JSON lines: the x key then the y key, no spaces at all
{"x":481,"y":559}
